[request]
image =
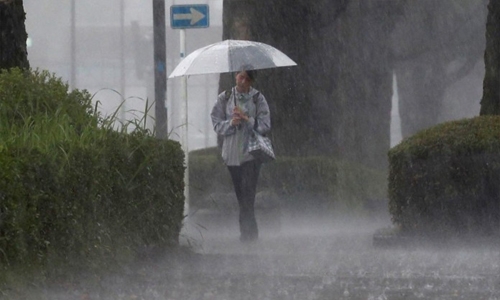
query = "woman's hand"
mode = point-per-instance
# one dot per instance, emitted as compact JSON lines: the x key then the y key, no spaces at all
{"x":235,"y":121}
{"x":239,"y":115}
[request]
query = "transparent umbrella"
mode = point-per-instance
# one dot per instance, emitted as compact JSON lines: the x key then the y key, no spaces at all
{"x":230,"y":56}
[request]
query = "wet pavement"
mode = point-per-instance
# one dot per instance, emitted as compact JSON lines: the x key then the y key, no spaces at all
{"x":297,"y":258}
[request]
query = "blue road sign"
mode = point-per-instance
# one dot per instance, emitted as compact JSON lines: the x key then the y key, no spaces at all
{"x":189,"y":16}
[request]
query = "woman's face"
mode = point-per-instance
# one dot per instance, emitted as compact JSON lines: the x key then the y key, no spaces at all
{"x":243,"y":82}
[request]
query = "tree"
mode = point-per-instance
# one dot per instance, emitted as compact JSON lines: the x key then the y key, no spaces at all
{"x":13,"y":35}
{"x":490,"y":104}
{"x":435,"y":44}
{"x":337,"y":101}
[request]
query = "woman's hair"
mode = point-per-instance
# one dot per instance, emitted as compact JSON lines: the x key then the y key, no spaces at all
{"x":249,"y":70}
{"x":251,"y":74}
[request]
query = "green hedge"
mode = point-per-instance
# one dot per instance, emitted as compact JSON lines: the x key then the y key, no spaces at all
{"x":310,"y":183}
{"x":72,"y":188}
{"x":445,"y":180}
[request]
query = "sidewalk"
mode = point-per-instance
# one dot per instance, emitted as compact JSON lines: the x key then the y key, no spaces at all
{"x":295,"y":259}
{"x":315,"y":258}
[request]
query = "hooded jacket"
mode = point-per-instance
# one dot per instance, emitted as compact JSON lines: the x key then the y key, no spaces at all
{"x":235,"y":138}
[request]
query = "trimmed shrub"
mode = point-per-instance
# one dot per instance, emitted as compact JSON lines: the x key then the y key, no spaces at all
{"x":445,"y":180}
{"x":72,"y":189}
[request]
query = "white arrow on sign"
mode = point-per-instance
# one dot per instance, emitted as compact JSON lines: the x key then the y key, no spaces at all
{"x":194,"y":16}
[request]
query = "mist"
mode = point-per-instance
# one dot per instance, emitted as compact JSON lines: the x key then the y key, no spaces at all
{"x":301,"y":253}
{"x":295,"y":258}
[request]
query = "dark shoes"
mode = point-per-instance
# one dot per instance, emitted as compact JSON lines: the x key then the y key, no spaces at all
{"x":247,"y":238}
{"x":248,"y":228}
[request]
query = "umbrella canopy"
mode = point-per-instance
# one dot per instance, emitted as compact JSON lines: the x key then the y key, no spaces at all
{"x":230,"y":56}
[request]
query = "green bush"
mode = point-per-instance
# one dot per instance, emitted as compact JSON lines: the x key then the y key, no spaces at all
{"x":310,"y":183}
{"x":72,"y":189}
{"x":445,"y":180}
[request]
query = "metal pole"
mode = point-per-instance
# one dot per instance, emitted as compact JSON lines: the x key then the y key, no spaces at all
{"x":73,"y":46}
{"x":122,"y":60}
{"x":208,"y":123}
{"x":185,"y":122}
{"x":160,"y":57}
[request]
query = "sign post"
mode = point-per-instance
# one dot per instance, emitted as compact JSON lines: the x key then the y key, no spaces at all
{"x":185,"y":17}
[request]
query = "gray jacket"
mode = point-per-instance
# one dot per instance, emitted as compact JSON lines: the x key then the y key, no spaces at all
{"x":235,"y":143}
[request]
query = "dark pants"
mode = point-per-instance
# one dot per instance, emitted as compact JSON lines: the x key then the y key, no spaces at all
{"x":245,"y":185}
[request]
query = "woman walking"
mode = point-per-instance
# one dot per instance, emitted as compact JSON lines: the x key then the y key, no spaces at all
{"x":234,"y":116}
